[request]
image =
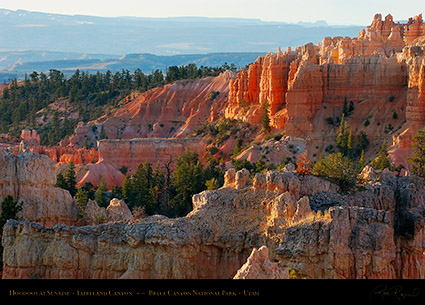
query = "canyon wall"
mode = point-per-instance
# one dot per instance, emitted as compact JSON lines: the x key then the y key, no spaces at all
{"x":304,"y":221}
{"x":30,"y":179}
{"x":305,"y":84}
{"x":118,"y":157}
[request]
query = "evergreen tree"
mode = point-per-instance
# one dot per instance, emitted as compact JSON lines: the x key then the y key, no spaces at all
{"x":82,"y":197}
{"x":342,"y":136}
{"x":362,"y":161}
{"x":102,"y":133}
{"x":362,"y":141}
{"x":142,"y":183}
{"x":350,"y":144}
{"x":60,"y":181}
{"x":418,"y":159}
{"x":211,"y":184}
{"x":265,"y":120}
{"x":188,"y":180}
{"x":70,"y":179}
{"x":9,"y":210}
{"x":100,"y":194}
{"x":126,"y":190}
{"x":381,"y":161}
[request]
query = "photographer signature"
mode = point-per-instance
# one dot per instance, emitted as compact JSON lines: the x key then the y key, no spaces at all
{"x":398,"y":292}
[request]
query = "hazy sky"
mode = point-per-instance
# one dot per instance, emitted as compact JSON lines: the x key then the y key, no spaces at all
{"x":359,"y":12}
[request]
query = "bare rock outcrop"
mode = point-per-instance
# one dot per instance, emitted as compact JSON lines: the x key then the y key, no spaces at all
{"x":30,"y":179}
{"x":117,"y":210}
{"x":258,"y":266}
{"x":306,"y":223}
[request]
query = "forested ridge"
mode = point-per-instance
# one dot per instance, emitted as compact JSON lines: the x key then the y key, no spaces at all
{"x":87,"y":94}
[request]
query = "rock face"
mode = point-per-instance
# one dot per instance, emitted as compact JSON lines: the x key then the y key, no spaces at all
{"x":114,"y":155}
{"x":274,"y":151}
{"x":380,"y":73}
{"x":117,"y":210}
{"x":30,"y":137}
{"x":304,"y":221}
{"x":258,"y":266}
{"x":30,"y":178}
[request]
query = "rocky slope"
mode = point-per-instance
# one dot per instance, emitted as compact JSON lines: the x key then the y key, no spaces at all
{"x":304,"y":221}
{"x":173,"y":110}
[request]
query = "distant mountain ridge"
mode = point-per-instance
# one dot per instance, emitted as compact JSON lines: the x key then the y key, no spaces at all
{"x":17,"y":64}
{"x":161,"y":36}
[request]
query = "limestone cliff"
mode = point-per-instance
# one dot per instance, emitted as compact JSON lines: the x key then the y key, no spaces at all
{"x":304,"y":221}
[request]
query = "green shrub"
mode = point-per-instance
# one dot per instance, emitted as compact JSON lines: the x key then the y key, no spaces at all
{"x":339,"y":169}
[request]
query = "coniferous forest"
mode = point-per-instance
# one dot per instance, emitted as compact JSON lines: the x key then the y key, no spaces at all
{"x":88,"y":94}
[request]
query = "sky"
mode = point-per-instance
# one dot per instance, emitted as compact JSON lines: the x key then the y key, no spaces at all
{"x":358,"y":12}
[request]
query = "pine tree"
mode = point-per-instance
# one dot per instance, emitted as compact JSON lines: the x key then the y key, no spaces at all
{"x":381,"y":161}
{"x":188,"y":180}
{"x":100,"y":194}
{"x":265,"y":120}
{"x":9,"y":210}
{"x":338,"y":169}
{"x":141,"y":188}
{"x":342,"y":136}
{"x":60,"y":181}
{"x":350,"y":144}
{"x":362,"y":161}
{"x":82,"y":197}
{"x":418,"y":159}
{"x":126,"y":190}
{"x":70,"y":179}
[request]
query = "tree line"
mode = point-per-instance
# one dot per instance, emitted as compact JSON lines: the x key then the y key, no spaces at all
{"x":87,"y":93}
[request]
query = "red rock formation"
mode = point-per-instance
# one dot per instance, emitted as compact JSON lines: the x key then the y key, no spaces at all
{"x":380,"y":71}
{"x":173,"y":110}
{"x":265,"y":79}
{"x":118,"y":154}
{"x":68,"y":153}
{"x":30,"y":137}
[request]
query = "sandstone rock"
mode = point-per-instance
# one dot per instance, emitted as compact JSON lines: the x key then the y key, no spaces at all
{"x":94,"y":214}
{"x":306,"y":86}
{"x":368,"y":174}
{"x":276,"y":151}
{"x":30,"y":179}
{"x":171,"y":111}
{"x":118,"y":210}
{"x":258,"y":266}
{"x":242,"y":179}
{"x":375,"y":233}
{"x":229,"y":177}
{"x":30,"y":137}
